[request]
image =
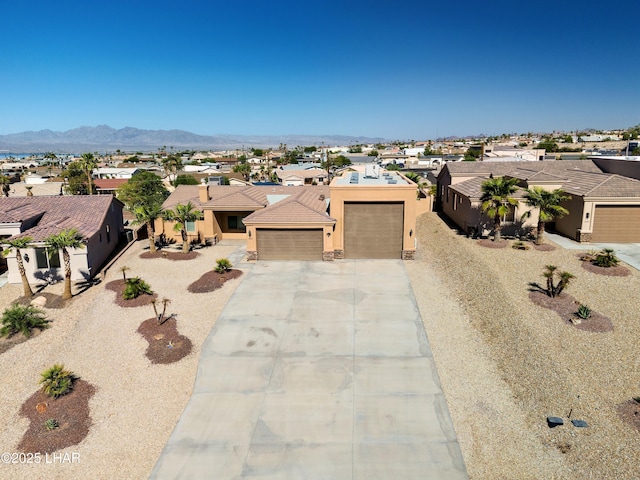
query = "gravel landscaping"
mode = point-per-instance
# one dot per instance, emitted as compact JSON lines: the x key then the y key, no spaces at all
{"x":506,"y":363}
{"x":136,"y":403}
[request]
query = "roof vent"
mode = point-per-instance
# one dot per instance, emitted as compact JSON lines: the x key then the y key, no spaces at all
{"x":321,"y":197}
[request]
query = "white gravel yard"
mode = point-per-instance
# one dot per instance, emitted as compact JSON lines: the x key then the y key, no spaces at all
{"x":137,"y":404}
{"x":506,"y":364}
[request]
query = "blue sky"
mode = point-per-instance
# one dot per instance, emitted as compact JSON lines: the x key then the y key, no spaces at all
{"x":398,"y":70}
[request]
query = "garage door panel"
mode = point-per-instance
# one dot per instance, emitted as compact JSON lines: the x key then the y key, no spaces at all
{"x":373,"y":230}
{"x":289,"y":244}
{"x":616,"y":223}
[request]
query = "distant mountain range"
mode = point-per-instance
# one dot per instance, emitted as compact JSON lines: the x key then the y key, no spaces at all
{"x":129,"y":139}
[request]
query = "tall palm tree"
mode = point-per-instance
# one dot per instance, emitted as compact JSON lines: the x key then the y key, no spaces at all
{"x":548,"y":205}
{"x":497,"y":201}
{"x":146,"y":215}
{"x":69,"y":238}
{"x":88,"y":163}
{"x":182,"y":215}
{"x":20,"y":244}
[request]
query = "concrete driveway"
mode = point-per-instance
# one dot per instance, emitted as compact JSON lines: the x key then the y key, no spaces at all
{"x":316,"y":370}
{"x":627,"y":252}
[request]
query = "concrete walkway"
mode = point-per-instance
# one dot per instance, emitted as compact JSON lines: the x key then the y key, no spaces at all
{"x":316,"y":370}
{"x":627,"y":252}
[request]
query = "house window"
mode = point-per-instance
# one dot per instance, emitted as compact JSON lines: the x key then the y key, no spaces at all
{"x":190,"y":226}
{"x":455,"y":201}
{"x":510,"y":216}
{"x":234,"y":222}
{"x":47,"y":258}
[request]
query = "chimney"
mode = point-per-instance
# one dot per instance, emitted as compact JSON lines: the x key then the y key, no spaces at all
{"x":203,"y":193}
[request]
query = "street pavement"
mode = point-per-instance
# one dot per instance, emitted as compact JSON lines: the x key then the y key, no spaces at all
{"x":316,"y":370}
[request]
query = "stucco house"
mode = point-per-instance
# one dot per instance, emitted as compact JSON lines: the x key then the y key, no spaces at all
{"x":360,"y":215}
{"x":604,"y":206}
{"x":98,"y":218}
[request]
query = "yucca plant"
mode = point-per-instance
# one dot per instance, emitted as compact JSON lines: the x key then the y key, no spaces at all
{"x":134,"y":287}
{"x":584,"y":312}
{"x":56,"y":381}
{"x":51,"y":424}
{"x":606,"y":258}
{"x":554,"y":289}
{"x":22,"y":319}
{"x":223,"y":265}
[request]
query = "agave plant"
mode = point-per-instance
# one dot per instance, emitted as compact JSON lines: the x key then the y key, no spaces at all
{"x":584,"y":312}
{"x":51,"y":424}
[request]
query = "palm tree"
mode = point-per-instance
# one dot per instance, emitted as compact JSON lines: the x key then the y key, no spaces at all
{"x":182,"y":215}
{"x":69,"y":238}
{"x":418,"y":180}
{"x":5,"y":182}
{"x":497,"y":201}
{"x":146,"y":215}
{"x":548,"y":205}
{"x":20,"y":244}
{"x":88,"y":163}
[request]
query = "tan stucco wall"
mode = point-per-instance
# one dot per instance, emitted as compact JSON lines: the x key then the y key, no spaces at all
{"x":575,"y":220}
{"x":374,"y":193}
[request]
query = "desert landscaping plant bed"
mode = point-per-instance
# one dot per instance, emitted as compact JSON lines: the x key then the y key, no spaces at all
{"x":170,"y":255}
{"x":212,"y":280}
{"x":566,"y":306}
{"x":618,"y":271}
{"x":70,"y":411}
{"x":488,"y":243}
{"x":629,"y":413}
{"x":166,"y":345}
{"x":118,"y":287}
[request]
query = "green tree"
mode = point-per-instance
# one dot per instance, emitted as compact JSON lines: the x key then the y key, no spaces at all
{"x":392,"y":167}
{"x":144,"y":188}
{"x":244,"y":168}
{"x":258,"y":152}
{"x":548,"y":205}
{"x":88,"y":163}
{"x":185,"y":180}
{"x":181,"y":215}
{"x":5,"y":183}
{"x":76,"y":179}
{"x":171,"y":165}
{"x":146,"y":215}
{"x":69,"y":238}
{"x":19,"y":244}
{"x":548,"y":145}
{"x":497,"y":201}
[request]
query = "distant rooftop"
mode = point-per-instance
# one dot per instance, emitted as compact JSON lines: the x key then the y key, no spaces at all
{"x":372,"y":176}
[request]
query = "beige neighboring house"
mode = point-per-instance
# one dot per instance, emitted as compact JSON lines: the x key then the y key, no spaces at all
{"x":358,"y":216}
{"x":293,"y":178}
{"x":604,"y":206}
{"x":98,"y":218}
{"x":21,"y":189}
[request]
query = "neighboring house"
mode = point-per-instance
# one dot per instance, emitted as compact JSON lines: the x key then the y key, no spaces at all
{"x":604,"y":207}
{"x":21,"y":189}
{"x":303,"y":176}
{"x":112,"y":172}
{"x":97,"y":217}
{"x":108,"y":186}
{"x":360,"y":215}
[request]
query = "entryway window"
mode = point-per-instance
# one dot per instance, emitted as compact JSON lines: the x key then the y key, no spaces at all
{"x":47,"y":258}
{"x":234,"y":222}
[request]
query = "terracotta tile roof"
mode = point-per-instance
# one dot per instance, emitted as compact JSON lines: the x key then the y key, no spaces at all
{"x":109,"y":183}
{"x":82,"y":212}
{"x":272,"y":202}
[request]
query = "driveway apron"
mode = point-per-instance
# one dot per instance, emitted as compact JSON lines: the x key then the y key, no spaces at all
{"x":316,"y":370}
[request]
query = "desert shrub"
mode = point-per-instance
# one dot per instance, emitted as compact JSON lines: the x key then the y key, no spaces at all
{"x":223,"y":265}
{"x":563,"y":278}
{"x":606,"y":258}
{"x":51,"y":424}
{"x":584,"y":312}
{"x":56,"y":381}
{"x":134,"y":287}
{"x":520,"y":245}
{"x":22,"y":319}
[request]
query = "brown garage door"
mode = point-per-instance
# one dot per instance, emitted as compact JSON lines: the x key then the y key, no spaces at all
{"x":289,"y":244}
{"x":373,"y":230}
{"x":616,"y":223}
